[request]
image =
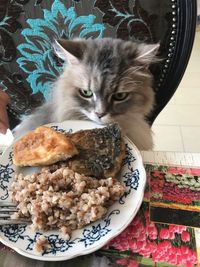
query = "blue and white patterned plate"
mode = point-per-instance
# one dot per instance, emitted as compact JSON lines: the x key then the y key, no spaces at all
{"x":92,"y":237}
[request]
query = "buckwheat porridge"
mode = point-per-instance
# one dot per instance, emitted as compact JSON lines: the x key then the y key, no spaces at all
{"x":63,"y":199}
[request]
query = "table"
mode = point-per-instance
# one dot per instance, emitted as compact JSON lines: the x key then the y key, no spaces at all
{"x":146,"y":242}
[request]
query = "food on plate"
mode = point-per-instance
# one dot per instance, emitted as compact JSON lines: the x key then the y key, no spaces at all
{"x":63,"y":199}
{"x":65,"y":194}
{"x":95,"y":152}
{"x":43,"y":146}
{"x":101,"y":151}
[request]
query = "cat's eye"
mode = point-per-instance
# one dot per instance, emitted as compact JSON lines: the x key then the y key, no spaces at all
{"x":86,"y":93}
{"x":120,"y":96}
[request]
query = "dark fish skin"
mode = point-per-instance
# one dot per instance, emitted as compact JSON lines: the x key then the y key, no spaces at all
{"x":101,"y":151}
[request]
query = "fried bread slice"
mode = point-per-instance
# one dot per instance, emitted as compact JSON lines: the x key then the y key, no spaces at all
{"x":41,"y":147}
{"x":101,"y":151}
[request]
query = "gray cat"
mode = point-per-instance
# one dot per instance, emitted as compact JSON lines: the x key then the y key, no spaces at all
{"x":104,"y":80}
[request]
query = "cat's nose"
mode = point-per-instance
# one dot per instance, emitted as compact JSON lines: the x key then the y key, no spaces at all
{"x":100,"y":114}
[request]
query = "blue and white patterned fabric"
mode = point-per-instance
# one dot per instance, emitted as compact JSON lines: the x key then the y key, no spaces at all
{"x":36,"y":58}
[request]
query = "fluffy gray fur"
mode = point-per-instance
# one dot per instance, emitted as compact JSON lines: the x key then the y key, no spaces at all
{"x":104,"y":80}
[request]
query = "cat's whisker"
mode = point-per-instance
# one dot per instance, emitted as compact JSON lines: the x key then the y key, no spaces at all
{"x":81,"y":116}
{"x":126,"y":82}
{"x":132,"y":70}
{"x":126,"y":78}
{"x":133,"y":83}
{"x":143,"y":74}
{"x":75,"y":112}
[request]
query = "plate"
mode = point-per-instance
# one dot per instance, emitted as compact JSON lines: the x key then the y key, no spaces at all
{"x":92,"y":237}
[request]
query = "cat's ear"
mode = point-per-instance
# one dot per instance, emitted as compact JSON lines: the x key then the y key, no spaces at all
{"x":147,"y":53}
{"x":69,"y":50}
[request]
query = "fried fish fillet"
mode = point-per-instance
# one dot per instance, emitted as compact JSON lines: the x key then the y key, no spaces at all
{"x":43,"y":146}
{"x":101,"y":151}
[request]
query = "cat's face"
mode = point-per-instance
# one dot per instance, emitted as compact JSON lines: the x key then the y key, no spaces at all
{"x":107,"y":79}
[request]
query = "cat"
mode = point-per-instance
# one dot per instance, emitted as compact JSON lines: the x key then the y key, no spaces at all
{"x":104,"y":80}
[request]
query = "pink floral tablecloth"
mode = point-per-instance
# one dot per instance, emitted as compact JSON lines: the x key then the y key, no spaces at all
{"x":164,"y":232}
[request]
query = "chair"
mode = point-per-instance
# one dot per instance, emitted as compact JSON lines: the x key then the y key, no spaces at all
{"x":27,"y":29}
